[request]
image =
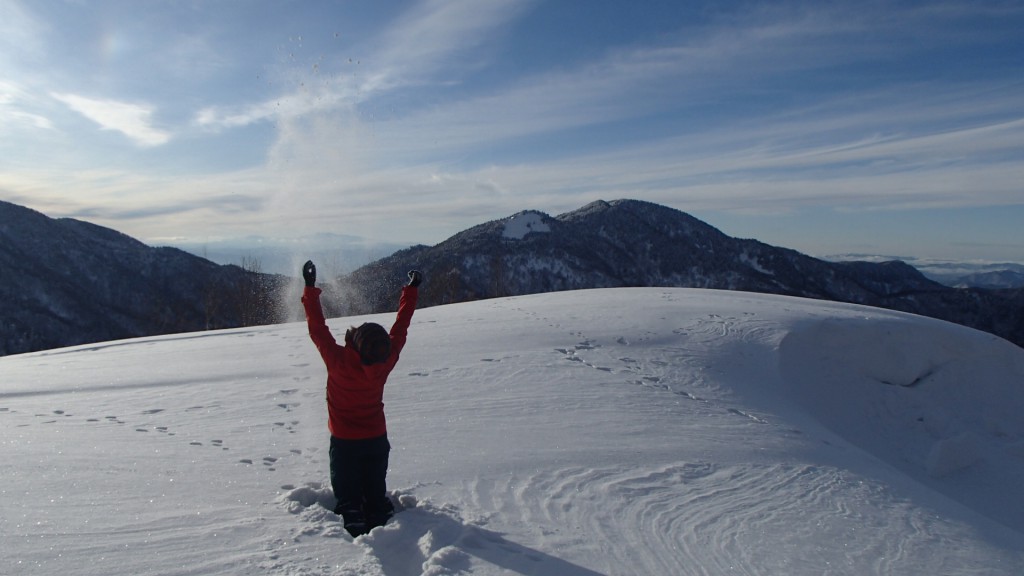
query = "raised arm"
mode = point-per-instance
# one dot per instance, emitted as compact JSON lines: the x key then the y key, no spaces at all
{"x":318,"y":331}
{"x":406,"y":306}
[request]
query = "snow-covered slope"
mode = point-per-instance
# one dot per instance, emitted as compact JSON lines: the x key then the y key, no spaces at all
{"x":624,"y":431}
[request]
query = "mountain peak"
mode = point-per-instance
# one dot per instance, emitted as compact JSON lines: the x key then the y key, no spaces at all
{"x":636,"y":243}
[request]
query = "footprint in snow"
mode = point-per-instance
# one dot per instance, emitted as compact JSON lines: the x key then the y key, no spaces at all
{"x":289,"y":427}
{"x":268,"y":461}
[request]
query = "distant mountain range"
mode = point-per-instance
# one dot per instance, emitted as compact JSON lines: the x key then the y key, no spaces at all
{"x":958,"y":274}
{"x":994,"y":280}
{"x":67,"y":282}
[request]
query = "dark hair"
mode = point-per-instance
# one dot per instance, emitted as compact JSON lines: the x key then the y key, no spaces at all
{"x":371,"y":341}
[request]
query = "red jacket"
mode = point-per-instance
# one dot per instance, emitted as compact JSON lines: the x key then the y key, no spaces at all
{"x":355,"y":391}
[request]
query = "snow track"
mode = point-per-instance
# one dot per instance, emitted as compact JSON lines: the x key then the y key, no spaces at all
{"x":700,"y":519}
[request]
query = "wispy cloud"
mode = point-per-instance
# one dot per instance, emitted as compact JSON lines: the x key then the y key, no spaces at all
{"x":677,"y":74}
{"x":432,"y":39}
{"x":437,"y":37}
{"x":12,"y":111}
{"x":133,"y":120}
{"x":225,"y":205}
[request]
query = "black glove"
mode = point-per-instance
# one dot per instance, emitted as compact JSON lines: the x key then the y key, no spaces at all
{"x":309,"y":273}
{"x":415,"y":277}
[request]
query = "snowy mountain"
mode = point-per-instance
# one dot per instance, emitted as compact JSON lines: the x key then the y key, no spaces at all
{"x":633,"y":243}
{"x":653,"y":431}
{"x":68,"y":282}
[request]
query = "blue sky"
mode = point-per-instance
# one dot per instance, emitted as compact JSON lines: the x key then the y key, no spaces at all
{"x":891,"y":128}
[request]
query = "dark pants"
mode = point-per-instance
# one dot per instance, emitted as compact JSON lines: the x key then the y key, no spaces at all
{"x":358,"y":472}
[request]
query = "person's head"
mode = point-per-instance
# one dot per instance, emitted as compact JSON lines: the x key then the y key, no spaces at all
{"x":371,"y":341}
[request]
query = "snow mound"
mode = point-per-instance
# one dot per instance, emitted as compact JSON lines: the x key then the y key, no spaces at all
{"x":626,"y":431}
{"x":298,"y":499}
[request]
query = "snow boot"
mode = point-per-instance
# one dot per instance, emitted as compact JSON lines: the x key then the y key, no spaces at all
{"x":380,"y":514}
{"x":355,"y":521}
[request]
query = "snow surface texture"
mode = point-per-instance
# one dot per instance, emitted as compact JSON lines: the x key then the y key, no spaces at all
{"x":629,"y":431}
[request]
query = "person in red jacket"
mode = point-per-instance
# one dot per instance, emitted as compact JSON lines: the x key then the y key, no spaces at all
{"x":356,"y":374}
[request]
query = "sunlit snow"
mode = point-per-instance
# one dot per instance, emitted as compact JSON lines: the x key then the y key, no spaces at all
{"x":628,"y":431}
{"x":518,"y":226}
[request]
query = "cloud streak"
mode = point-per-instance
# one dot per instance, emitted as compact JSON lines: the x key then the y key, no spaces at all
{"x":134,"y":121}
